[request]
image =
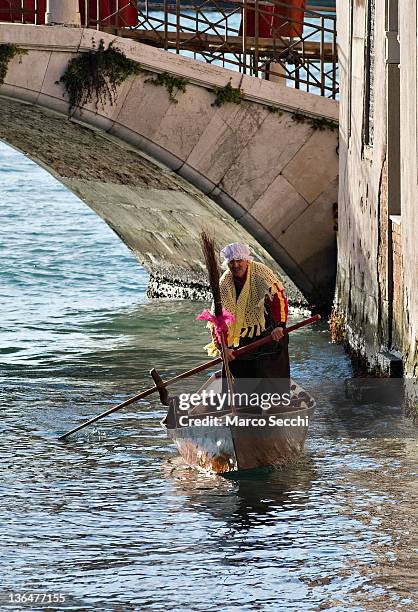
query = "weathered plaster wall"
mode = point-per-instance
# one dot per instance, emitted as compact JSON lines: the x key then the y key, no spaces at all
{"x":275,"y":177}
{"x":362,"y":201}
{"x":377,"y":308}
{"x":408,"y":18}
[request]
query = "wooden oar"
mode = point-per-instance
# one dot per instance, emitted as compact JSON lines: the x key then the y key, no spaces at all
{"x":196,"y":370}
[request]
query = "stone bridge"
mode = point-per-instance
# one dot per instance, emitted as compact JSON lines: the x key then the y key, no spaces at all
{"x":157,"y":172}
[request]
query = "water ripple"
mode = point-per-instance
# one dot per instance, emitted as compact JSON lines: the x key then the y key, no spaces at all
{"x":112,"y":518}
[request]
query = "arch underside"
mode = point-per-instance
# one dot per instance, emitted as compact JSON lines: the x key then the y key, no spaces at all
{"x":158,"y":172}
{"x":156,"y":213}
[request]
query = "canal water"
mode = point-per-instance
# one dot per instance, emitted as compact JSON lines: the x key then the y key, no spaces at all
{"x":112,"y":519}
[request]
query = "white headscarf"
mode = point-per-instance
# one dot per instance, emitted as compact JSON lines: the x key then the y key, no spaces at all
{"x":235,"y":250}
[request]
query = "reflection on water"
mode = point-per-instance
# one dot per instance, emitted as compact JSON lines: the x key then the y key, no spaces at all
{"x":244,"y":502}
{"x":112,"y":518}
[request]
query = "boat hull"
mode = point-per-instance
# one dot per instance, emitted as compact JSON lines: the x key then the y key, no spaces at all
{"x":260,"y":441}
{"x":224,"y":442}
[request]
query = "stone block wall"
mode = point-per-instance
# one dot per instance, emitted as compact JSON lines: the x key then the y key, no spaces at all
{"x":376,"y":302}
{"x":408,"y":16}
{"x":362,"y":207}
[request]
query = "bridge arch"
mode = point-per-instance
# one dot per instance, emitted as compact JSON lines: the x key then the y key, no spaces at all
{"x":157,"y":172}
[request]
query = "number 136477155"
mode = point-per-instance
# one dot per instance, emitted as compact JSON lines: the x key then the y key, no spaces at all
{"x":39,"y":598}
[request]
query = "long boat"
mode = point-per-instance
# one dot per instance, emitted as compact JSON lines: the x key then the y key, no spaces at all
{"x":238,"y":439}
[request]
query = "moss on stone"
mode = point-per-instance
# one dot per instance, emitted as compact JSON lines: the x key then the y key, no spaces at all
{"x":7,"y":53}
{"x":226,"y":94}
{"x":317,"y":123}
{"x":96,"y":75}
{"x":274,"y":110}
{"x":172,"y":84}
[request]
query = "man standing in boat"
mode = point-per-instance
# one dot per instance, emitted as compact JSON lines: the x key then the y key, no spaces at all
{"x":255,"y":296}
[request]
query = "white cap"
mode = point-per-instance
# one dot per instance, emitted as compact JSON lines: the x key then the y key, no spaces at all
{"x":236,"y":250}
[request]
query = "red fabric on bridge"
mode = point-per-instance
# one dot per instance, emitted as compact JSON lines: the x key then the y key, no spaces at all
{"x":275,"y":20}
{"x":28,"y":11}
{"x":288,"y":21}
{"x":265,"y":20}
{"x":127,"y":14}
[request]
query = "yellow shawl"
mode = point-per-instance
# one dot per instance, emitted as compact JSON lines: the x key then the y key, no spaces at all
{"x":249,"y":308}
